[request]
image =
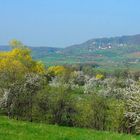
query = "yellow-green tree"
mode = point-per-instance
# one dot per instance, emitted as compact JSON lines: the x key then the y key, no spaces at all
{"x":20,"y":76}
{"x":18,"y":61}
{"x":56,"y":70}
{"x":16,"y":44}
{"x":100,"y":76}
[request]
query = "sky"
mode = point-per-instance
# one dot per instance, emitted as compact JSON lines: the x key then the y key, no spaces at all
{"x":61,"y":23}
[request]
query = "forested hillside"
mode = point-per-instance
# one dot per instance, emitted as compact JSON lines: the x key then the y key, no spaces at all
{"x":68,"y":95}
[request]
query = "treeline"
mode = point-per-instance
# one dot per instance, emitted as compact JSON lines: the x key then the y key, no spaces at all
{"x":68,"y":95}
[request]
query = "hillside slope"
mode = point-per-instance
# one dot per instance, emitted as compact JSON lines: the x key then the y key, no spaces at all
{"x":107,"y":53}
{"x":107,"y":43}
{"x":18,"y":130}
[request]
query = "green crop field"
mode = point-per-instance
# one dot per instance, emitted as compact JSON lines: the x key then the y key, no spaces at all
{"x":19,"y":130}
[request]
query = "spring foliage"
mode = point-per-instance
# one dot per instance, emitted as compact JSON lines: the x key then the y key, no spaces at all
{"x":65,"y":96}
{"x":56,"y":70}
{"x":19,"y":61}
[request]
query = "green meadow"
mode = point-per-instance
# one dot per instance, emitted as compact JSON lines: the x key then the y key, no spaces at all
{"x":20,"y":130}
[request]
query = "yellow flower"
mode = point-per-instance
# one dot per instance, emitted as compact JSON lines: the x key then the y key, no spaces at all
{"x":99,"y":76}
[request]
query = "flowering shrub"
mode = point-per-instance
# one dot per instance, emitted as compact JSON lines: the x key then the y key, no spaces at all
{"x":64,"y":96}
{"x":56,"y":70}
{"x":99,"y":76}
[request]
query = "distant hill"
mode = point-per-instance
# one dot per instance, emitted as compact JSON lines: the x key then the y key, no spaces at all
{"x":37,"y":52}
{"x":106,"y":43}
{"x":106,"y":52}
{"x":4,"y":48}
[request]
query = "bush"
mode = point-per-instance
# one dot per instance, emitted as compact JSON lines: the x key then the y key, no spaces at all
{"x":57,"y":105}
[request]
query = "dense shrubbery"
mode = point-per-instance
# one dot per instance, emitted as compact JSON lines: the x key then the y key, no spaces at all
{"x":66,"y":96}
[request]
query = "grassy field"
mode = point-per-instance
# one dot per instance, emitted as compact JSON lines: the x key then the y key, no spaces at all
{"x":19,"y":130}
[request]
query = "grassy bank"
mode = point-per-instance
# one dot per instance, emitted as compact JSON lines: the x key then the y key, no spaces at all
{"x":19,"y":130}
